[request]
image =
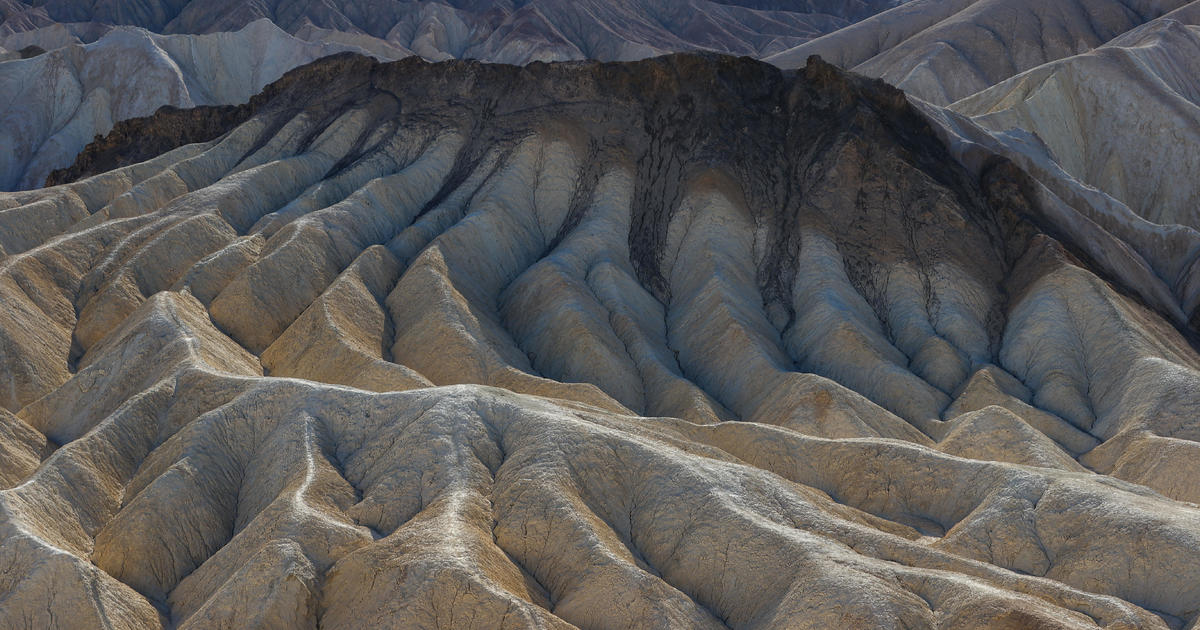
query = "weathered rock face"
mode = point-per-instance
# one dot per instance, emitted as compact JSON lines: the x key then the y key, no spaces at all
{"x":1071,"y":92}
{"x":688,"y":342}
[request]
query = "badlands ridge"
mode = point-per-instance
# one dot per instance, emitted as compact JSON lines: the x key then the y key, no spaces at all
{"x":684,"y":342}
{"x":111,"y":61}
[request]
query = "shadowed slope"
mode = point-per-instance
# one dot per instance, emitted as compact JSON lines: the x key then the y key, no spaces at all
{"x":1074,"y":123}
{"x":943,"y":51}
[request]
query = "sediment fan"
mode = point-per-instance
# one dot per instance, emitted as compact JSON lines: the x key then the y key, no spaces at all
{"x":687,"y":342}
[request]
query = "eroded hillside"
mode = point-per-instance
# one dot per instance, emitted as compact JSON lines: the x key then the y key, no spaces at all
{"x":687,"y":342}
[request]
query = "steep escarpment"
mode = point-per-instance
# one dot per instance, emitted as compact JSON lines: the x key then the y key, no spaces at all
{"x":1070,"y":91}
{"x":686,"y":342}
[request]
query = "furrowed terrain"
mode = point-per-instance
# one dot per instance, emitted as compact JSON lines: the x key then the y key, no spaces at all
{"x":70,"y":70}
{"x":686,"y":342}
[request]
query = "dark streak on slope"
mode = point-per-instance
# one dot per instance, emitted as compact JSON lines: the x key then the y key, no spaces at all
{"x":787,"y":139}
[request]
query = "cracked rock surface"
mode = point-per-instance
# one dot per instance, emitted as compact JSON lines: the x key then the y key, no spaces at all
{"x":684,"y":342}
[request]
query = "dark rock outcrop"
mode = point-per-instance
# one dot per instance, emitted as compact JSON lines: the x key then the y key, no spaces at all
{"x":139,"y":139}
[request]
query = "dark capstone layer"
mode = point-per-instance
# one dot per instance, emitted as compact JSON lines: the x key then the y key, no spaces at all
{"x":818,"y":147}
{"x":140,"y":139}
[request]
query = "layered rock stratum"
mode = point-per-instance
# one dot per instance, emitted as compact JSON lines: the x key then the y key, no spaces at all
{"x":685,"y":342}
